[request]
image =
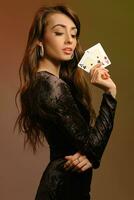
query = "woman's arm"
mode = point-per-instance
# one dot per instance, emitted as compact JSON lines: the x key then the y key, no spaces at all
{"x":77,"y":161}
{"x":89,"y":141}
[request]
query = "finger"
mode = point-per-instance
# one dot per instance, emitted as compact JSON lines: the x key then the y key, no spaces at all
{"x":105,"y":73}
{"x":74,"y":160}
{"x":68,"y":157}
{"x":95,"y":76}
{"x":105,"y":70}
{"x":93,"y":69}
{"x":99,"y":74}
{"x":72,"y":164}
{"x":76,"y":156}
{"x":67,"y":164}
{"x":73,"y":157}
{"x":68,"y":167}
{"x":80,"y":160}
{"x":88,"y":166}
{"x":96,"y":67}
{"x":81,"y":164}
{"x":105,"y":76}
{"x":84,"y":167}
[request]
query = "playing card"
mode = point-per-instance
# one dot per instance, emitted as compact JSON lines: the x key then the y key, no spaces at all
{"x":87,"y":62}
{"x":93,"y":56}
{"x":98,"y":52}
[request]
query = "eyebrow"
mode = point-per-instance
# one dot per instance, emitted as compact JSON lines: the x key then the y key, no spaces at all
{"x":63,"y":26}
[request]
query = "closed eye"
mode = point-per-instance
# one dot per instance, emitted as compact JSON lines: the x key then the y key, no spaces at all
{"x":73,"y":36}
{"x":58,"y":33}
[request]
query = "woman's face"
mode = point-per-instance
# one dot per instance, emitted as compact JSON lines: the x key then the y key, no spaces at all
{"x":60,"y":37}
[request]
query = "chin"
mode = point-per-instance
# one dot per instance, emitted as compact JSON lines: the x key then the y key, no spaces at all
{"x":67,"y":58}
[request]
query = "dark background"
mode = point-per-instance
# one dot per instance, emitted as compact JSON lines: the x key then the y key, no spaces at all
{"x":112,"y":24}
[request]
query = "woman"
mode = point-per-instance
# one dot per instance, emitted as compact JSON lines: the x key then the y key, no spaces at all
{"x":56,"y":104}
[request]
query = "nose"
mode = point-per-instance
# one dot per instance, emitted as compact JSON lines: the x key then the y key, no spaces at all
{"x":68,"y":38}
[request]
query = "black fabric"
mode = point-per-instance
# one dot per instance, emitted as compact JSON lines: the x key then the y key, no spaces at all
{"x":67,"y":131}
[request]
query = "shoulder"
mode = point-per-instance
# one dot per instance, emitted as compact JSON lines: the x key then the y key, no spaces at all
{"x":50,"y":79}
{"x":49,"y":84}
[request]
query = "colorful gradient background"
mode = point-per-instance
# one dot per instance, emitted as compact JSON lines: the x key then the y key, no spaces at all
{"x":112,"y":24}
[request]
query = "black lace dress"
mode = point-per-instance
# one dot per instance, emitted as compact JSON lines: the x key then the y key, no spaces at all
{"x":65,"y":124}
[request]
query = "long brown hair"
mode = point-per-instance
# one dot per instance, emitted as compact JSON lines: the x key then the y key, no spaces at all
{"x":69,"y":72}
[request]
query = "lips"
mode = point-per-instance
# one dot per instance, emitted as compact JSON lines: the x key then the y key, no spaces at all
{"x":68,"y":50}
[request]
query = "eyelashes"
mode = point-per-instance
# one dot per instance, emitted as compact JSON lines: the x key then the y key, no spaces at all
{"x":60,"y":33}
{"x":57,"y":33}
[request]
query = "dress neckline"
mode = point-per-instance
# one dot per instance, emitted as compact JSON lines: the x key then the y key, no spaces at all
{"x":51,"y":74}
{"x":44,"y":71}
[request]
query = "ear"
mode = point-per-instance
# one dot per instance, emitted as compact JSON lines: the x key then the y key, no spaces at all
{"x":39,"y":43}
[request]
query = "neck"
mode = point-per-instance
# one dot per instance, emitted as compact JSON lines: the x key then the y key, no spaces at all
{"x":50,"y":66}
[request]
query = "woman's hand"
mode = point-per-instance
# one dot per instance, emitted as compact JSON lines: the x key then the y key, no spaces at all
{"x":77,"y":162}
{"x":100,"y":77}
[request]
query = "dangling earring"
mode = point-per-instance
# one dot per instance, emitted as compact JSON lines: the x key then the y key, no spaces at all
{"x":41,"y":51}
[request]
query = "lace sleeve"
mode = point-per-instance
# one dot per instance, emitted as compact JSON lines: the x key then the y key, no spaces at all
{"x":90,"y":141}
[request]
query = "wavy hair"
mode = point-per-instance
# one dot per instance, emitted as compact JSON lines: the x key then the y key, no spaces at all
{"x":68,"y":71}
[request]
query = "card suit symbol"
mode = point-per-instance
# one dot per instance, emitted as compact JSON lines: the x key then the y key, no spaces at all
{"x":106,"y":60}
{"x":84,"y":67}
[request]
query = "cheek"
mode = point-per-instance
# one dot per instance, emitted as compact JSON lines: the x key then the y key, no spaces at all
{"x":52,"y":47}
{"x":51,"y":43}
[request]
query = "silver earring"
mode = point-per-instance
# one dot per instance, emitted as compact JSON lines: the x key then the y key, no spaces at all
{"x":41,"y":51}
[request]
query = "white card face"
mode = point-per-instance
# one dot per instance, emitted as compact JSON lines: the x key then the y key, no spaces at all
{"x":87,"y":62}
{"x":93,"y":56}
